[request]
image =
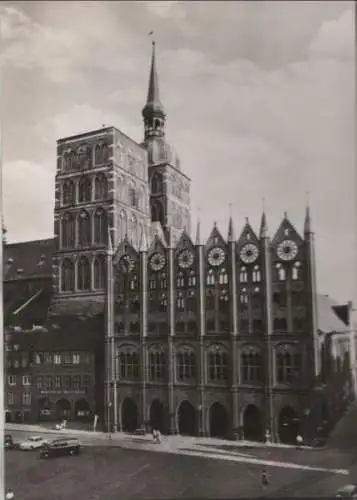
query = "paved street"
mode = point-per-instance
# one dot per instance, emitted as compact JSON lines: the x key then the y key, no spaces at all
{"x":109,"y":473}
{"x":106,"y":471}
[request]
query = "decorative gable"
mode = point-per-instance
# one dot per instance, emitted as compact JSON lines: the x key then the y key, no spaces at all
{"x":215,"y":239}
{"x":247,"y":235}
{"x":286,"y":231}
{"x":157,"y":244}
{"x":125,"y":248}
{"x":184,"y":242}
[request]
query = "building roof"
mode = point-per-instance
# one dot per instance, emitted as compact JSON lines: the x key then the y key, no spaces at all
{"x":29,"y":259}
{"x":327,"y":318}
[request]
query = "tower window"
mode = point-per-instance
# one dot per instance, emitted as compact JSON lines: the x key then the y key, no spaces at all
{"x":192,"y":279}
{"x":84,"y":229}
{"x":68,"y":193}
{"x":67,"y":275}
{"x":100,"y":226}
{"x":84,"y":274}
{"x":68,"y":231}
{"x":157,"y":214}
{"x":256,"y":274}
{"x":156,"y":183}
{"x":133,"y":200}
{"x":210,"y":279}
{"x":99,"y":273}
{"x":101,"y":187}
{"x":296,"y":271}
{"x":85,"y":189}
{"x":223,"y":277}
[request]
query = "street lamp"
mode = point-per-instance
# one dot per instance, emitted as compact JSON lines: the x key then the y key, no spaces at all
{"x":109,"y":405}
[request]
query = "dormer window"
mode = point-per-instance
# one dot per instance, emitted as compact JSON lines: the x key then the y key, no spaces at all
{"x":19,"y":270}
{"x":10,"y":260}
{"x":286,"y":232}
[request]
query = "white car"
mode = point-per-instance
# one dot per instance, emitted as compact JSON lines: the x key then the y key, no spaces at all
{"x":32,"y":443}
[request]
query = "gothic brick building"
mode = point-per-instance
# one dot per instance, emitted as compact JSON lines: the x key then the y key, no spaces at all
{"x":200,"y":337}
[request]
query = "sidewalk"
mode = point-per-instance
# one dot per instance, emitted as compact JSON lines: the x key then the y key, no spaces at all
{"x":130,"y":440}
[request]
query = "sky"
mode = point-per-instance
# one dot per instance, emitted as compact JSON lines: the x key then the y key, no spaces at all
{"x":259,"y":99}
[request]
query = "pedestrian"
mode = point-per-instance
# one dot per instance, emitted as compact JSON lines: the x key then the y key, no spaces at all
{"x":9,"y":494}
{"x":264,"y":479}
{"x":158,"y":436}
{"x":154,"y":435}
{"x":299,"y":441}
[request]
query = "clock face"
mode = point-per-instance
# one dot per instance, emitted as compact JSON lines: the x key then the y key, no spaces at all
{"x":287,"y":250}
{"x":157,"y":261}
{"x":126,"y":264}
{"x":249,"y":253}
{"x":216,"y":256}
{"x":186,"y":259}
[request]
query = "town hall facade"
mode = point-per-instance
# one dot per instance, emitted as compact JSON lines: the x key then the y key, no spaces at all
{"x":209,"y":338}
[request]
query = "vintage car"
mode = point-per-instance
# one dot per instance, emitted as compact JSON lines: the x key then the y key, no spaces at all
{"x":60,"y":447}
{"x":347,"y":491}
{"x":32,"y":443}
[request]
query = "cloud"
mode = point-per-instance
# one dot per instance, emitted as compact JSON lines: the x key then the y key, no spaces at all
{"x":258,"y":98}
{"x":335,"y":38}
{"x":28,"y":200}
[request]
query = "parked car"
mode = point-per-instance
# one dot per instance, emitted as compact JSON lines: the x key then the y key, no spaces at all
{"x":60,"y":447}
{"x":9,"y":443}
{"x":32,"y":443}
{"x":347,"y":491}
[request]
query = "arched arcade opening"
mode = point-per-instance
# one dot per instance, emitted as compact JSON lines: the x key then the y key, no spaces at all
{"x":187,"y":421}
{"x":288,"y":425}
{"x":252,"y":424}
{"x":129,"y":415}
{"x":157,"y":416}
{"x":218,"y":420}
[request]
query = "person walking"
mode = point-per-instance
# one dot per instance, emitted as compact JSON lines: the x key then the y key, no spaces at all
{"x":264,"y":479}
{"x":299,"y":441}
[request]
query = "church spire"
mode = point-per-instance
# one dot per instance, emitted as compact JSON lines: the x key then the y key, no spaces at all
{"x":307,"y":223}
{"x":153,"y":111}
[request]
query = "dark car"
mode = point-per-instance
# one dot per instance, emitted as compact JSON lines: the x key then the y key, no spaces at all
{"x":9,"y":443}
{"x":60,"y":448}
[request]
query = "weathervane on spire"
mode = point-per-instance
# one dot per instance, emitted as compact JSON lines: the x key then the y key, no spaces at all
{"x":263,"y":204}
{"x":152,"y":34}
{"x":230,"y":206}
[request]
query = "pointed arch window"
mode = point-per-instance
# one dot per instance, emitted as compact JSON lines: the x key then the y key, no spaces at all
{"x":100,"y":226}
{"x":191,"y":301}
{"x":281,"y":273}
{"x":97,"y":155}
{"x":68,"y":231}
{"x":157,"y":213}
{"x":156,"y":183}
{"x":85,"y":189}
{"x":256,"y":274}
{"x":163,"y":302}
{"x":280,"y":324}
{"x":223,"y":301}
{"x":217,"y":365}
{"x":84,"y":274}
{"x":84,"y":229}
{"x":288,"y":363}
{"x":180,"y":280}
{"x":296,"y":271}
{"x":99,"y":272}
{"x":251,"y":366}
{"x":105,"y":153}
{"x":180,"y":302}
{"x":191,"y":278}
{"x":163,"y":281}
{"x":67,"y":276}
{"x":133,"y":198}
{"x":129,"y":365}
{"x":244,"y":298}
{"x":101,"y":187}
{"x":243,"y":275}
{"x":210,"y":278}
{"x":157,"y":365}
{"x":133,"y":230}
{"x":68,"y":193}
{"x":122,"y":230}
{"x":186,"y":365}
{"x":223,"y":277}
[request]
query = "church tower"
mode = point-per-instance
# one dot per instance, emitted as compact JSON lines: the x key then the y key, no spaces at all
{"x":169,"y":186}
